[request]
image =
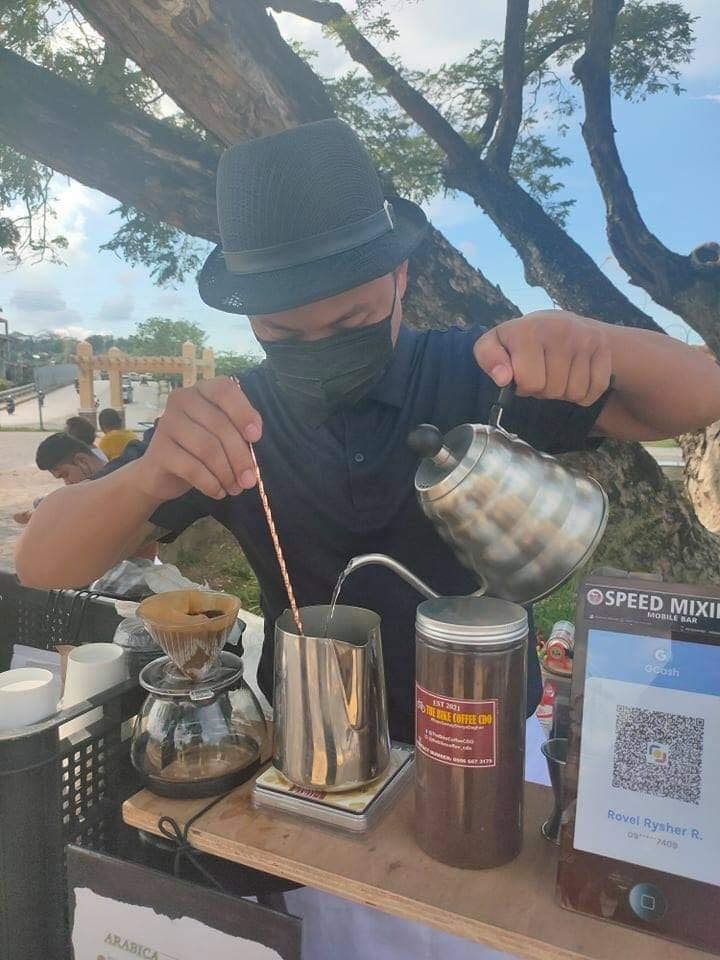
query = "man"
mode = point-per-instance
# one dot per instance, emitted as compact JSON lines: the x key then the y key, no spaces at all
{"x":83,"y":430}
{"x":72,"y":461}
{"x":68,"y":459}
{"x":116,"y":438}
{"x":318,"y":259}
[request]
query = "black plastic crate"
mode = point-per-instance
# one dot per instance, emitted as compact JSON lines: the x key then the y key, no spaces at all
{"x":53,"y":791}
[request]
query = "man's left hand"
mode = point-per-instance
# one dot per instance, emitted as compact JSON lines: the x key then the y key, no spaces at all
{"x":550,"y":354}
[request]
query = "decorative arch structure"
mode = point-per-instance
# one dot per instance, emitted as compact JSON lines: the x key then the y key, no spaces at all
{"x":116,"y":363}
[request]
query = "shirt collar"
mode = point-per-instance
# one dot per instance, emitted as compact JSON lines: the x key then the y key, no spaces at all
{"x":392,"y":388}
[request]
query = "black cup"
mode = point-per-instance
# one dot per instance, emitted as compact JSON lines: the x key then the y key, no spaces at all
{"x":555,"y":753}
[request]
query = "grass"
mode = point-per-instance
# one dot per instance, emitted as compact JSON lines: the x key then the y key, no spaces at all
{"x":225,"y":568}
{"x":660,"y":443}
{"x":26,"y":429}
{"x":558,"y":606}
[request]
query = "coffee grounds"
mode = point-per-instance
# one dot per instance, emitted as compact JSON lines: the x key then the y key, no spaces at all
{"x":468,"y":814}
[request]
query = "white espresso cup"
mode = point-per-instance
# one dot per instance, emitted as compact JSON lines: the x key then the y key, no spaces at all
{"x":27,"y":695}
{"x":91,"y":669}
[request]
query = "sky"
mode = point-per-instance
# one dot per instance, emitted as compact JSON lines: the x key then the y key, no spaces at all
{"x":670,"y":148}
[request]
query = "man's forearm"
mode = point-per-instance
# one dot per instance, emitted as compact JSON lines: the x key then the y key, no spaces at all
{"x":78,"y":533}
{"x":662,"y":387}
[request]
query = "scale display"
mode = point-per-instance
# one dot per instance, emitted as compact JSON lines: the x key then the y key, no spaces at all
{"x":641,"y":831}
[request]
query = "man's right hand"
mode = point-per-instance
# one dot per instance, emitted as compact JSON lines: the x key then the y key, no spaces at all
{"x":202,"y":441}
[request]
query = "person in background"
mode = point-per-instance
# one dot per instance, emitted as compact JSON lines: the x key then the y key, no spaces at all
{"x":116,"y":438}
{"x":72,"y":461}
{"x":83,"y":430}
{"x":68,"y":459}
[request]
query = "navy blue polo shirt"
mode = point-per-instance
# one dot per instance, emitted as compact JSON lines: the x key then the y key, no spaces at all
{"x":346,"y":488}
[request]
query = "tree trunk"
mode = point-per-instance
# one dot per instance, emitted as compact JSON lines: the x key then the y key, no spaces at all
{"x":222,"y":61}
{"x":652,"y":526}
{"x":702,"y":473}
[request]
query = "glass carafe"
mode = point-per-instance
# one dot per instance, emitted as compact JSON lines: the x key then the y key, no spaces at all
{"x":198,"y":738}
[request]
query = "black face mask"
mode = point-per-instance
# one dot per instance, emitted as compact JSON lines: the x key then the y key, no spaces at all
{"x":320,"y":376}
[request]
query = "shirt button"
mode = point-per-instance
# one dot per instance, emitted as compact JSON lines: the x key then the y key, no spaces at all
{"x":359,"y":458}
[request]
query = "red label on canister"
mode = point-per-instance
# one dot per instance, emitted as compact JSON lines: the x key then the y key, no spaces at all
{"x":461,"y":733}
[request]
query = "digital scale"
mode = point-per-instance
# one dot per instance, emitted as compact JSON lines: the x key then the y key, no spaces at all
{"x":640,"y":842}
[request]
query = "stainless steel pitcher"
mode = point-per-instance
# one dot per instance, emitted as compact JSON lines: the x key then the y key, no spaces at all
{"x":519,"y":519}
{"x":331,"y":722}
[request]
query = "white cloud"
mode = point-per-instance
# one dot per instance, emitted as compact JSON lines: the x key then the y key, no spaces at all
{"x":430,"y":32}
{"x":74,"y":331}
{"x":37,"y":299}
{"x":446,"y":212}
{"x":168,"y":300}
{"x":72,"y":203}
{"x":117,"y":309}
{"x":709,"y":96}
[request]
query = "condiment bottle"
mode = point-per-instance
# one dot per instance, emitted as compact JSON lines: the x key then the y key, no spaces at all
{"x":471,"y":667}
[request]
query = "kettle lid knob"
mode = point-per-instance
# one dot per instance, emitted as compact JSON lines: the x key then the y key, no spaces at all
{"x":425,"y":440}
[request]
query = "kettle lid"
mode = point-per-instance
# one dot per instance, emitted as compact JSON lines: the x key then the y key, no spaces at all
{"x":474,"y":621}
{"x":446,"y":460}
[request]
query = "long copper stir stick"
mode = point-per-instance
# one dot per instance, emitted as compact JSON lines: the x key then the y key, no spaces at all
{"x":276,"y":544}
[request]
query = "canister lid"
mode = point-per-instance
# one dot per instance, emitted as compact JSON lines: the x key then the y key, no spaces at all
{"x":472,"y":621}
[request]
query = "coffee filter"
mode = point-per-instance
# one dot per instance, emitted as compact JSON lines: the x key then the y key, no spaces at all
{"x":178,"y":623}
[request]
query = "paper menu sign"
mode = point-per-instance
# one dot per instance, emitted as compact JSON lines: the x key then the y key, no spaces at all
{"x":122,"y":909}
{"x":107,"y":929}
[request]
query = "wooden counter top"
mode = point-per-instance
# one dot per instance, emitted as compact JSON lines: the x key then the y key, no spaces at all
{"x":511,"y":908}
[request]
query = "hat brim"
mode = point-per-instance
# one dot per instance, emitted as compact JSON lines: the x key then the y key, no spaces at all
{"x":296,"y":286}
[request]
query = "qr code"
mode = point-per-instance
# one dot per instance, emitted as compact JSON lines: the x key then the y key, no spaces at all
{"x":658,"y":753}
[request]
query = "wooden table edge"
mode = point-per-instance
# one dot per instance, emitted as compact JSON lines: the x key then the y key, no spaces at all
{"x":476,"y":931}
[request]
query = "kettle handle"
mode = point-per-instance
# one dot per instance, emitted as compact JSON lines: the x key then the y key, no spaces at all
{"x":505,"y":398}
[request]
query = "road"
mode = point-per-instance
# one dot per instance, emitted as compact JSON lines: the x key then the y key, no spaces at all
{"x":63,"y":403}
{"x":20,"y":480}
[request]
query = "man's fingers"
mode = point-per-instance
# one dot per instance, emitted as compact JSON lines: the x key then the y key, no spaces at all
{"x":203,"y":446}
{"x":180,"y":463}
{"x":493,"y":358}
{"x":216,"y":422}
{"x":229,"y":397}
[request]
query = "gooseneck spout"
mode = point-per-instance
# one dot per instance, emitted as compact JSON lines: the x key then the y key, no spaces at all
{"x":383,"y":560}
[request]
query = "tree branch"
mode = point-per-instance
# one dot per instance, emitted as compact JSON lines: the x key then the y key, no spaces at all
{"x":674,"y":281}
{"x":245,"y":80}
{"x":500,"y":151}
{"x":494,"y":96}
{"x":334,"y":16}
{"x":108,"y":146}
{"x":542,"y":55}
{"x":111,"y":73}
{"x":550,"y":256}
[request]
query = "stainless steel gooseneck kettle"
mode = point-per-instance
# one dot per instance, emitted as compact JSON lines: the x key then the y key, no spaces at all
{"x":519,"y":519}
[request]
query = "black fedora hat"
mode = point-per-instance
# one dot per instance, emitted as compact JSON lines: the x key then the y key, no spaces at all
{"x":303,"y":217}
